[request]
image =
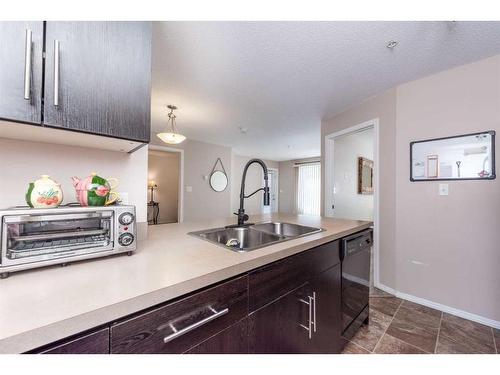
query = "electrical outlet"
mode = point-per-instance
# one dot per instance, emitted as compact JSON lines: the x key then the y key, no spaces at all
{"x":189,"y":189}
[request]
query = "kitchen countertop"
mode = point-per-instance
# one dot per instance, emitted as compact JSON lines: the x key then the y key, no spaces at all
{"x":41,"y":306}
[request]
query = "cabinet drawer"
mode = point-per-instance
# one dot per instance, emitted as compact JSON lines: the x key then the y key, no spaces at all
{"x":93,"y":343}
{"x":276,"y":279}
{"x":233,"y":340}
{"x":180,"y":325}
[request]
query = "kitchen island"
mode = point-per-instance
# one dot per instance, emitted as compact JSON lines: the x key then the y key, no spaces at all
{"x":46,"y":305}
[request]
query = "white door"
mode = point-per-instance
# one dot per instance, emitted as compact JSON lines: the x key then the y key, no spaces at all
{"x":272,"y":178}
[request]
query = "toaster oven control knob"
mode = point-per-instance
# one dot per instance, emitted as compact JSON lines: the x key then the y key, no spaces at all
{"x":126,"y":218}
{"x":125,"y":239}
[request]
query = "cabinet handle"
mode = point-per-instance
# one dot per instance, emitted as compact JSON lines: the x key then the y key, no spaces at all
{"x":309,"y":327}
{"x":189,"y":328}
{"x":56,"y":73}
{"x":314,"y":310}
{"x":27,"y":64}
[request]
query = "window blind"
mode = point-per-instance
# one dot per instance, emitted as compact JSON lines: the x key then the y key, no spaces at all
{"x":309,"y":189}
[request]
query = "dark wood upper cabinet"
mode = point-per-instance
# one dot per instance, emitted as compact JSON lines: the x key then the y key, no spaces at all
{"x":98,"y":78}
{"x":21,"y":71}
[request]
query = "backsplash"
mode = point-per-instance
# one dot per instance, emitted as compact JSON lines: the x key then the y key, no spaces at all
{"x":22,"y":162}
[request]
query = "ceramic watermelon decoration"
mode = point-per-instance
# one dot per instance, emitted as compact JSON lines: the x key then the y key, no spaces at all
{"x":44,"y":193}
{"x":94,"y":190}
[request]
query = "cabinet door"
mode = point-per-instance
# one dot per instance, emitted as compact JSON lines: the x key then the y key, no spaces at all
{"x":233,"y":340}
{"x":21,"y":71}
{"x":98,"y":78}
{"x":326,"y":292}
{"x":281,"y":326}
{"x":93,"y":343}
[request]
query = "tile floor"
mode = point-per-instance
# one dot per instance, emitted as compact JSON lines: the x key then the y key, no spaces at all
{"x":400,"y":326}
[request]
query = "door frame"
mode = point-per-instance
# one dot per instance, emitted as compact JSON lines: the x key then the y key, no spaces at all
{"x":180,"y":208}
{"x":329,"y":180}
{"x":277,"y":171}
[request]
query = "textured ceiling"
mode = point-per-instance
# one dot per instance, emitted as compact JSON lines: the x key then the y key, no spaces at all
{"x":279,"y":79}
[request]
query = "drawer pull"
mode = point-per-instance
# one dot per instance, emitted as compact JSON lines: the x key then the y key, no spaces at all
{"x":193,"y":326}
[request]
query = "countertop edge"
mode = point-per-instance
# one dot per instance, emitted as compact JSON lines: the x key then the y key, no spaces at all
{"x":54,"y":332}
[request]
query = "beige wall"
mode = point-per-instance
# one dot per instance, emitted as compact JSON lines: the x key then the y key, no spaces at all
{"x":382,"y":107}
{"x":254,"y":181}
{"x":449,"y":246}
{"x":199,"y":158}
{"x":22,"y":162}
{"x":444,"y":249}
{"x":287,"y":185}
{"x":163,"y":168}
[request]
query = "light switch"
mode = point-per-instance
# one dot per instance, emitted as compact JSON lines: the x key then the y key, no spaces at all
{"x":443,"y":189}
{"x":189,"y":189}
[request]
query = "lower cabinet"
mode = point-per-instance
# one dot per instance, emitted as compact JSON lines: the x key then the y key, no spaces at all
{"x":281,"y":326}
{"x":290,"y":306}
{"x":305,"y":320}
{"x":92,"y":343}
{"x":233,"y":340}
{"x":181,"y":325}
{"x":327,"y":329}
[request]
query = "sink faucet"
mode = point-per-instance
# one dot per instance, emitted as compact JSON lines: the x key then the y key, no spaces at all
{"x":242,"y":217}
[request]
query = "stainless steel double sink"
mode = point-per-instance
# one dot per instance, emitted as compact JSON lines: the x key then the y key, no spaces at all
{"x":254,"y":236}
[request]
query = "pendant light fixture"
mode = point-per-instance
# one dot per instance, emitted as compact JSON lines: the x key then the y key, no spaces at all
{"x":170,"y":135}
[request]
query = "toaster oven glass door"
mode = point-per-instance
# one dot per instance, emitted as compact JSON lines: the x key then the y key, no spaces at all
{"x":32,"y":238}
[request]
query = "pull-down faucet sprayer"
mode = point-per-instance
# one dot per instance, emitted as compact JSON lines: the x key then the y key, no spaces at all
{"x":242,"y":217}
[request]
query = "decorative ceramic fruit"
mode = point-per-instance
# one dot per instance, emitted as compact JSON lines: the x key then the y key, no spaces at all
{"x":95,"y":190}
{"x":44,"y":193}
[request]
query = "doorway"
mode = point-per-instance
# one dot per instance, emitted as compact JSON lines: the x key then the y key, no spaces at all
{"x":348,"y":201}
{"x":165,"y":175}
{"x":343,"y":171}
{"x":272,"y":180}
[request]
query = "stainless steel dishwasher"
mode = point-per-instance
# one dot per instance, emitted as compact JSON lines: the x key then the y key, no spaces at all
{"x":355,"y":256}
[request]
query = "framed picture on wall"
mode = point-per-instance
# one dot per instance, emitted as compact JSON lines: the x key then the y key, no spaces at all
{"x":365,"y":176}
{"x":432,"y":166}
{"x":460,"y":157}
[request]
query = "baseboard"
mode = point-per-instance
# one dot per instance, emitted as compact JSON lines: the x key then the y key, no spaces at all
{"x":440,"y":307}
{"x":355,"y":279}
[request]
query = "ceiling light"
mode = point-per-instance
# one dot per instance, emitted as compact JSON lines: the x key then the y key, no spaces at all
{"x":392,"y":44}
{"x":170,"y":135}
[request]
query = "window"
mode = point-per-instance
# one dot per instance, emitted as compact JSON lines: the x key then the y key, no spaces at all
{"x":309,"y":189}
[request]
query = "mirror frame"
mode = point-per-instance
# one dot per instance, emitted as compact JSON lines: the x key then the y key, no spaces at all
{"x":490,"y":177}
{"x":362,"y":162}
{"x":212,"y":186}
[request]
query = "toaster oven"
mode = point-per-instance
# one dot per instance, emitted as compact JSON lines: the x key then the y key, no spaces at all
{"x":38,"y":237}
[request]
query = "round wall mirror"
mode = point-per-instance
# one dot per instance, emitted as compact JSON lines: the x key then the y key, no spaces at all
{"x":218,"y":181}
